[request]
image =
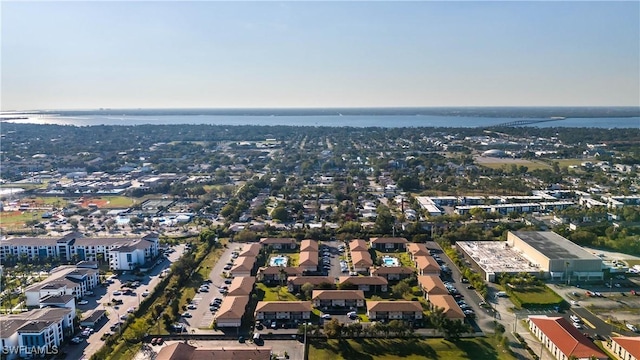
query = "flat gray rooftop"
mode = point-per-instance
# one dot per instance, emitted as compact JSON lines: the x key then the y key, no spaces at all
{"x":554,"y":246}
{"x":497,"y":257}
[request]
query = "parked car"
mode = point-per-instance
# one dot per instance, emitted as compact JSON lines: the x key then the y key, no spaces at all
{"x":76,"y":340}
{"x":632,"y":327}
{"x":186,"y":314}
{"x":83,"y":302}
{"x":326,"y":316}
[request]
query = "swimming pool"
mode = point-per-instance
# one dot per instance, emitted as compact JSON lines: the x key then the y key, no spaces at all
{"x":279,"y":260}
{"x":389,"y":261}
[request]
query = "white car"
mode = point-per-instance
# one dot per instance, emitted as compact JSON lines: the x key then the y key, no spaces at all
{"x":83,"y":302}
{"x":192,"y":306}
{"x":632,"y":327}
{"x":326,"y":316}
{"x":145,"y":293}
{"x":186,"y":314}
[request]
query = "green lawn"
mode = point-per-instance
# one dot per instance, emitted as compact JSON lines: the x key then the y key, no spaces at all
{"x":270,"y":293}
{"x":118,"y":201}
{"x":539,"y":296}
{"x":409,"y":349}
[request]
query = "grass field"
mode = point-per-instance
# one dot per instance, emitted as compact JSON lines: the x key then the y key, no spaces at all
{"x":15,"y":219}
{"x":270,"y":293}
{"x":408,"y":349}
{"x":540,"y":296}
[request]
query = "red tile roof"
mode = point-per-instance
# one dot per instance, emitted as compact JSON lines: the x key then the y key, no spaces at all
{"x":566,"y":337}
{"x":631,"y":344}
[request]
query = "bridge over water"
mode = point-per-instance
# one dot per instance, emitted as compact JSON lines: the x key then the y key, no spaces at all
{"x":526,"y":122}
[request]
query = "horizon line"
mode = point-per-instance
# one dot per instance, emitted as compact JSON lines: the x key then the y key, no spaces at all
{"x":321,"y":108}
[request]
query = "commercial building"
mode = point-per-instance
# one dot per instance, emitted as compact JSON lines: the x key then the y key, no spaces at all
{"x":540,"y":253}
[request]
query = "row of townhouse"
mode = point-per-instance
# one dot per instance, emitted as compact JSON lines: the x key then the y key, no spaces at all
{"x":35,"y":333}
{"x":339,"y":299}
{"x":360,"y":256}
{"x":121,"y":253}
{"x":245,"y":264}
{"x":233,"y":308}
{"x":309,"y":258}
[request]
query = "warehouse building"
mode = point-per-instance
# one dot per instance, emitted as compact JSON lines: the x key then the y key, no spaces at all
{"x":540,"y":253}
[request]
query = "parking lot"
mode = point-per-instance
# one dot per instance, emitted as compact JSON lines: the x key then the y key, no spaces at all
{"x":201,"y":316}
{"x":102,"y":300}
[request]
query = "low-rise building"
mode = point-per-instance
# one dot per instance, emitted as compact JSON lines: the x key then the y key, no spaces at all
{"x":389,"y":243}
{"x":279,"y":243}
{"x":294,"y":283}
{"x":415,"y":250}
{"x":394,"y":310}
{"x":449,"y":307}
{"x":427,"y":265}
{"x":432,"y":285}
{"x":250,"y":250}
{"x":244,"y":266}
{"x":231,"y":311}
{"x":358,"y":245}
{"x":278,"y":310}
{"x":625,"y":347}
{"x":361,"y":261}
{"x":242,"y":285}
{"x":182,"y":351}
{"x":324,"y":299}
{"x":308,"y":260}
{"x":277,"y":274}
{"x":308,"y":245}
{"x":392,"y":273}
{"x":365,"y":283}
{"x":562,"y":339}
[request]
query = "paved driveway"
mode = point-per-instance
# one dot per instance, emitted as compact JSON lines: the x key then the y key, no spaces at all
{"x":103,"y":296}
{"x":202,"y":316}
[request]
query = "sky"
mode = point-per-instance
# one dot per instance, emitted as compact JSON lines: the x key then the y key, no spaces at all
{"x":268,"y":54}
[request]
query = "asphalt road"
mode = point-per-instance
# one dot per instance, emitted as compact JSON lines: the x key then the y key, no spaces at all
{"x":102,"y":298}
